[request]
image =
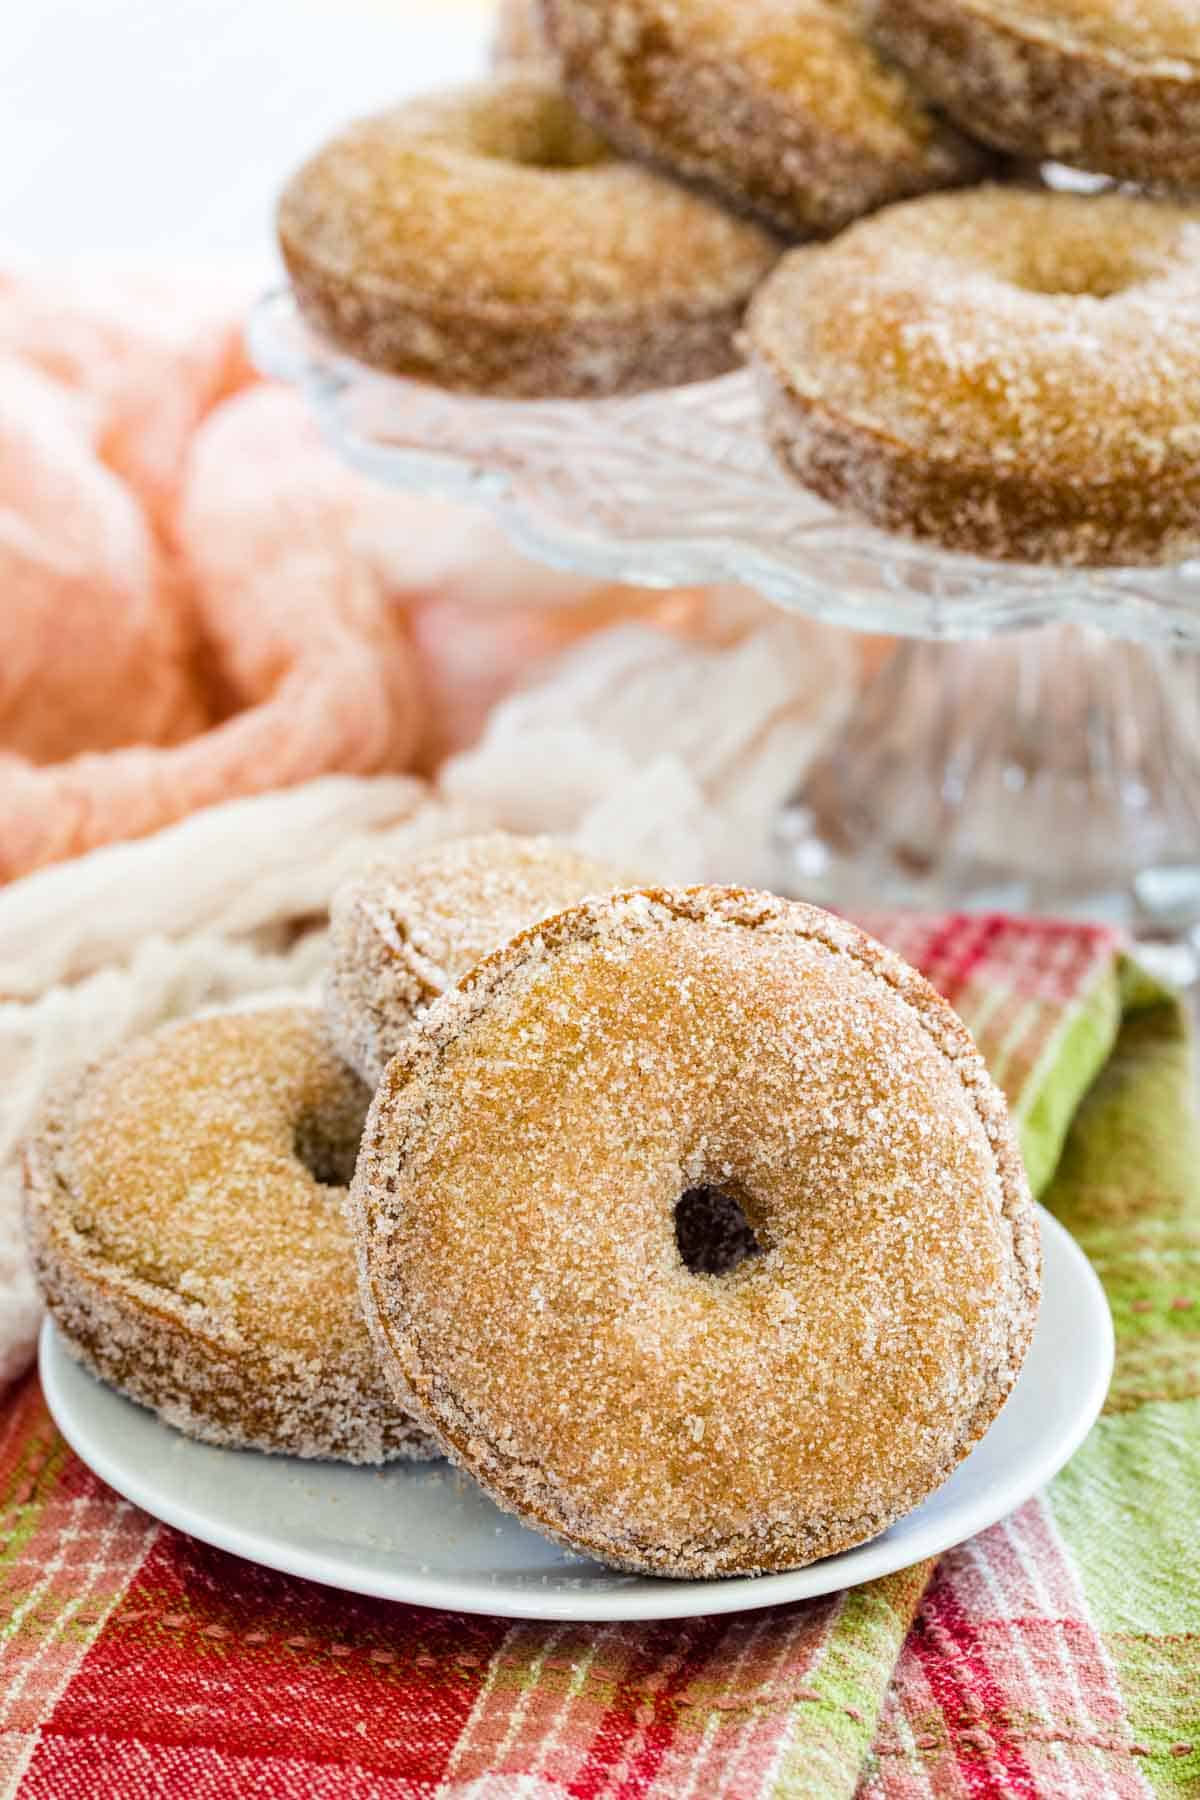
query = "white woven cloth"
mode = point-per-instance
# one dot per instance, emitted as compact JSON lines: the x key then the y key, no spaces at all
{"x":659,"y":755}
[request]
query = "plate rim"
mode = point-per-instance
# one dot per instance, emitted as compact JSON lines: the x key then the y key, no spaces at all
{"x":651,"y":1598}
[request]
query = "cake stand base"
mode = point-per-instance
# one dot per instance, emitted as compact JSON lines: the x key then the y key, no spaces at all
{"x":1052,"y":771}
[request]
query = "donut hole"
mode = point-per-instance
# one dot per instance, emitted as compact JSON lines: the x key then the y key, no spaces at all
{"x":713,"y":1234}
{"x":326,"y":1144}
{"x":1097,"y":270}
{"x":1074,"y":284}
{"x":547,"y":134}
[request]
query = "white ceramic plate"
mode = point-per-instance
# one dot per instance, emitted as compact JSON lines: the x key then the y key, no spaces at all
{"x":427,"y":1535}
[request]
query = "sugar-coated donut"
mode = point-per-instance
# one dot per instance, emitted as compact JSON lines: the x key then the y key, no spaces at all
{"x":781,"y":108}
{"x":1014,"y":373}
{"x":401,"y":934}
{"x":1109,"y":85}
{"x":486,"y":239}
{"x":531,"y":1172}
{"x":185,"y":1208}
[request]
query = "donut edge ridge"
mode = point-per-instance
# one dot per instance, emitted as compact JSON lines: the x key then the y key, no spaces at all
{"x":960,"y":59}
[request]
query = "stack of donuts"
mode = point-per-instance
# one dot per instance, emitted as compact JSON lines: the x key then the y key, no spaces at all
{"x":967,"y":345}
{"x":688,"y":1222}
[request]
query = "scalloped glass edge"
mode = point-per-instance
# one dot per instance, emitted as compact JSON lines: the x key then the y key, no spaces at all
{"x":669,"y":488}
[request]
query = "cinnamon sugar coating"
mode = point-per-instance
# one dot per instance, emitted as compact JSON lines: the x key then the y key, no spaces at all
{"x":400,"y":935}
{"x":1011,"y":372}
{"x":1108,"y":85}
{"x":514,"y":1207}
{"x":781,"y":108}
{"x":486,"y":239}
{"x":186,"y":1211}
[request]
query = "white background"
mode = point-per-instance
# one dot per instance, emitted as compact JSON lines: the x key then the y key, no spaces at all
{"x":135,"y":126}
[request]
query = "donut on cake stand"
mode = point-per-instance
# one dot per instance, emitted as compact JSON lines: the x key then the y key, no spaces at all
{"x":1033,"y":745}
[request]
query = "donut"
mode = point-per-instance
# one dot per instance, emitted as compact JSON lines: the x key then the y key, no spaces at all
{"x":1010,"y":372}
{"x":486,"y":239}
{"x":780,"y":108}
{"x":1102,"y":84}
{"x":185,"y":1209}
{"x":549,"y":1140}
{"x":401,"y":935}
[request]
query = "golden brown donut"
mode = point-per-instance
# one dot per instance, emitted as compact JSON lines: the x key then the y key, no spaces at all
{"x":781,"y":108}
{"x":1109,"y":85}
{"x":401,"y":934}
{"x":517,"y":1207}
{"x":487,"y":240}
{"x":185,"y":1208}
{"x":1013,"y":373}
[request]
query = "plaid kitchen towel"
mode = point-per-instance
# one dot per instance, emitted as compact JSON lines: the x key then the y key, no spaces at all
{"x":1056,"y":1654}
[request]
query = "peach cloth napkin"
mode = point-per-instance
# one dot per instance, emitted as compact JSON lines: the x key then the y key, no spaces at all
{"x":200,"y":602}
{"x":184,"y":618}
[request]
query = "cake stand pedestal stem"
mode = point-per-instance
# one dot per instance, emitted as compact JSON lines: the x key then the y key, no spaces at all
{"x":1052,"y":771}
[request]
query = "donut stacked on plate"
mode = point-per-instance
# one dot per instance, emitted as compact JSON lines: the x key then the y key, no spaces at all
{"x":186,"y":1200}
{"x":185,"y":1208}
{"x":689,"y":1222}
{"x":1011,"y":370}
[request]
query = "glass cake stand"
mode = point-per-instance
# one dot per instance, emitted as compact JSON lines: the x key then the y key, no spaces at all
{"x":1033,"y":744}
